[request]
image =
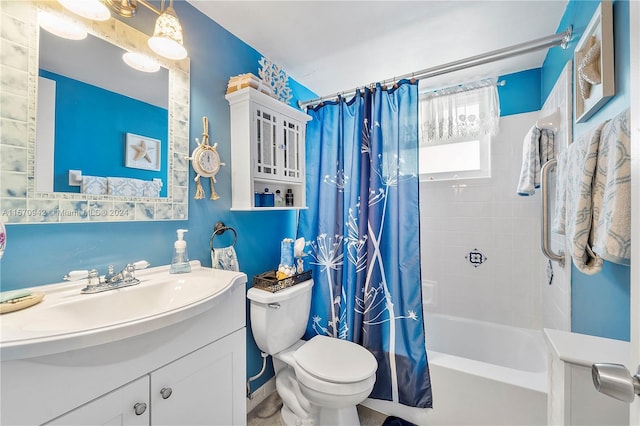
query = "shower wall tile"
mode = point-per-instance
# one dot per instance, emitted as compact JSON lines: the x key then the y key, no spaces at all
{"x":485,"y":214}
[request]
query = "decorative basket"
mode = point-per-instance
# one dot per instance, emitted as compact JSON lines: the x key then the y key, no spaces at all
{"x":267,"y":281}
{"x":247,"y":80}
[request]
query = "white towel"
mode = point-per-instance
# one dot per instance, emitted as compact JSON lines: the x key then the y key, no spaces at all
{"x":581,"y":164}
{"x":559,"y":222}
{"x":537,"y":149}
{"x":612,"y":192}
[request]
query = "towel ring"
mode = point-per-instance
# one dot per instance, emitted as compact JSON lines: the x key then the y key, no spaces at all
{"x":220,"y":228}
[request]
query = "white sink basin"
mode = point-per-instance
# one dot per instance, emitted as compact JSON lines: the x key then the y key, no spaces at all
{"x":67,"y":320}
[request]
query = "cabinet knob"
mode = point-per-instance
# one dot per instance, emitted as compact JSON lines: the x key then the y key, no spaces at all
{"x":140,"y":408}
{"x":166,"y":392}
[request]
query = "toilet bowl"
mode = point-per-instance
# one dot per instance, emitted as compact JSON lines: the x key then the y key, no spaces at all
{"x":331,"y":376}
{"x":320,"y":380}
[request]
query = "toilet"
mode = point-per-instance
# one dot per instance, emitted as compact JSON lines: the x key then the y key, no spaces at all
{"x":320,"y":380}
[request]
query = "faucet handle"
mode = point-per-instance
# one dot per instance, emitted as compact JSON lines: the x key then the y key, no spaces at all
{"x":78,"y":275}
{"x":141,"y":264}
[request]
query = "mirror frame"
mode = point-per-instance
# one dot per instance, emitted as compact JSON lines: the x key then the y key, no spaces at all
{"x":19,"y":201}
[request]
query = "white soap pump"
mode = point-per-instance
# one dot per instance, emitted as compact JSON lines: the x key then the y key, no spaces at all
{"x":180,"y":260}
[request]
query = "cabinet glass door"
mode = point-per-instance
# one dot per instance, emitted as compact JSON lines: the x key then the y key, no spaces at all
{"x":266,"y":158}
{"x":293,"y":151}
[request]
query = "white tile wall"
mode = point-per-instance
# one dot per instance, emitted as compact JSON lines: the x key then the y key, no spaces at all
{"x":488,"y":215}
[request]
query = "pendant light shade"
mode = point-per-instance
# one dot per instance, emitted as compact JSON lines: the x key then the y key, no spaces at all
{"x":167,"y":37}
{"x":140,"y":62}
{"x":60,"y":26}
{"x":90,"y":9}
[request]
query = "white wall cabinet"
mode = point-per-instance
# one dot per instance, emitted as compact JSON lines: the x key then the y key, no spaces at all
{"x":197,"y":389}
{"x":267,"y":149}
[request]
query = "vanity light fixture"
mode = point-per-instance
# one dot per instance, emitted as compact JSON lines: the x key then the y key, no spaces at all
{"x":124,"y":8}
{"x":141,"y":62}
{"x":60,"y":26}
{"x":167,"y":39}
{"x":90,"y":9}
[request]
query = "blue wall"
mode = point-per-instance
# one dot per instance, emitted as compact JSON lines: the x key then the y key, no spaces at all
{"x":42,"y":253}
{"x":521,"y":92}
{"x":94,"y":126}
{"x":600,"y":304}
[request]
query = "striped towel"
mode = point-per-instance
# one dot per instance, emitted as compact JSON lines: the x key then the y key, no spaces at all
{"x":537,"y":149}
{"x":612,"y":192}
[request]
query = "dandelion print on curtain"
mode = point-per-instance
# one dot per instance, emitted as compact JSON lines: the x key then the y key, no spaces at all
{"x":362,"y":233}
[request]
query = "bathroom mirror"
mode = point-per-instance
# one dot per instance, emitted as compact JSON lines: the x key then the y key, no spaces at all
{"x":92,"y":108}
{"x":23,"y":196}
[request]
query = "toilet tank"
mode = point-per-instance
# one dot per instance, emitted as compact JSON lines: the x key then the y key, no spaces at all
{"x":279,"y":319}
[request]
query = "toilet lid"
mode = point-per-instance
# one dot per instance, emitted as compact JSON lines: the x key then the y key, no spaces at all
{"x":336,"y":360}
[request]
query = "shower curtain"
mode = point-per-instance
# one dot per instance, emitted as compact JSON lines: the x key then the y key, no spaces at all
{"x":363,"y":236}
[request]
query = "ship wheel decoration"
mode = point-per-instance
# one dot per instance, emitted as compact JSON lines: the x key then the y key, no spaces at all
{"x":205,"y":160}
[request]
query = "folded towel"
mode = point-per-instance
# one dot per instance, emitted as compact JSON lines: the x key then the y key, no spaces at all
{"x":537,"y":149}
{"x":224,"y":258}
{"x":581,"y":164}
{"x":612,"y":192}
{"x":151,"y":188}
{"x":125,"y":187}
{"x":94,"y":185}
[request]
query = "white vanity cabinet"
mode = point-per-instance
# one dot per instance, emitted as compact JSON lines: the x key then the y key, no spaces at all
{"x":186,"y":372}
{"x":267,"y":149}
{"x":197,"y":389}
{"x":126,"y":406}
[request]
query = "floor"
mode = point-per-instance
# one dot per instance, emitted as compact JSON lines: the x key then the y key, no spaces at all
{"x":268,"y":414}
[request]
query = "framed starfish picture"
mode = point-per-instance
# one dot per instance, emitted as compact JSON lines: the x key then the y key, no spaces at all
{"x":594,"y":80}
{"x":142,"y":152}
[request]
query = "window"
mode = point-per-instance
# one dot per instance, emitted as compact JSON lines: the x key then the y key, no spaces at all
{"x":456,"y":125}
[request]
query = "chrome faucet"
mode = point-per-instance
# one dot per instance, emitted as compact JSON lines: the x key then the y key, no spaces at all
{"x":110,"y":281}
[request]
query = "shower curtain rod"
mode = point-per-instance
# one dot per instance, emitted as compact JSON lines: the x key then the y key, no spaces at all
{"x":559,"y":39}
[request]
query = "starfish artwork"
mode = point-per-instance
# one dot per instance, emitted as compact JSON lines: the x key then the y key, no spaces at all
{"x":141,"y":152}
{"x":589,"y":67}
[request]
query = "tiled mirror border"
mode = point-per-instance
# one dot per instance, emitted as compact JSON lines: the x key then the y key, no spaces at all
{"x":19,"y":202}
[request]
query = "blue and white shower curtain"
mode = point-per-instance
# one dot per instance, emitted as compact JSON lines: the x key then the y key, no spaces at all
{"x":363,"y":236}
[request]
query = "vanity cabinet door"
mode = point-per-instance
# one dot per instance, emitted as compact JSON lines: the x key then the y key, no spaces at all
{"x":125,"y":406}
{"x":205,"y":387}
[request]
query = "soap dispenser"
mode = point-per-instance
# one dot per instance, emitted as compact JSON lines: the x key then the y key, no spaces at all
{"x":180,"y":260}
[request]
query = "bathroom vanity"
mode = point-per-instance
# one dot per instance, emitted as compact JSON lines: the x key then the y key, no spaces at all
{"x":168,"y":351}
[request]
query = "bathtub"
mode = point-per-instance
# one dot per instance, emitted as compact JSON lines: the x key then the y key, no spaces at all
{"x":481,"y":374}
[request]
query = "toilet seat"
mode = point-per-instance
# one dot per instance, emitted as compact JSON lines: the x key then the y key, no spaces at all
{"x":335,"y":366}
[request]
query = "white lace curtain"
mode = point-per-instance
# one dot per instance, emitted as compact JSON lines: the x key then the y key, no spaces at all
{"x":459,"y":112}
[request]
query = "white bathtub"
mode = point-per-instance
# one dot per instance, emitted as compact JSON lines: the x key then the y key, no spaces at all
{"x":481,"y":374}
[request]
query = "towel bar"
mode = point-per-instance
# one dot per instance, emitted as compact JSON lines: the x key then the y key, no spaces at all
{"x":544,"y":183}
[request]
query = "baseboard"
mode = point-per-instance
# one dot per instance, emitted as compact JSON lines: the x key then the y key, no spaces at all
{"x":261,"y":394}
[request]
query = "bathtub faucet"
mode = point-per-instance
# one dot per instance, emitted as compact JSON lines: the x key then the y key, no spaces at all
{"x":110,"y":281}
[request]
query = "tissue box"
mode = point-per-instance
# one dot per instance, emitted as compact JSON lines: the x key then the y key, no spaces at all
{"x":267,"y":281}
{"x":247,"y":80}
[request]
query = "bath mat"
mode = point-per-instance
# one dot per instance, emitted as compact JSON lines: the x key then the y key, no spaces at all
{"x":396,"y":421}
